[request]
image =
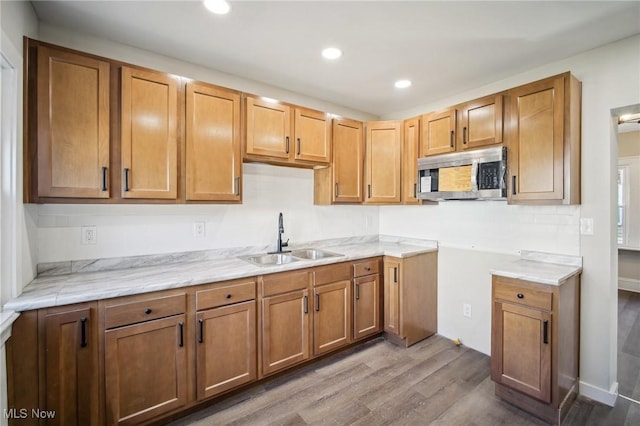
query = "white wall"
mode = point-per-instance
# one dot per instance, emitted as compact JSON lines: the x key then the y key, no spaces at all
{"x":610,"y":77}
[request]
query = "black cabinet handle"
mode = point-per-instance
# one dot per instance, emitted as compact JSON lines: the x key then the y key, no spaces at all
{"x":201,"y":325}
{"x":513,"y":185}
{"x":306,"y":304}
{"x":299,"y":144}
{"x":181,"y":328}
{"x":228,"y":296}
{"x":336,"y":189}
{"x":317,"y":302}
{"x":237,"y":184}
{"x":126,"y":180}
{"x":287,"y":144}
{"x":148,"y":311}
{"x":357,"y":291}
{"x":520,"y":296}
{"x":367,"y":269}
{"x":395,"y":275}
{"x":415,"y":190}
{"x":464,"y":135}
{"x":451,"y":138}
{"x":83,"y":332}
{"x":369,"y":190}
{"x":545,"y":332}
{"x":104,"y":179}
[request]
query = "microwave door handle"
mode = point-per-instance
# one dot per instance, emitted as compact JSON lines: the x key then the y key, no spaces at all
{"x":474,"y":176}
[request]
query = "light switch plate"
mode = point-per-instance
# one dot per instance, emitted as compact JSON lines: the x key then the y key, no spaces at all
{"x":586,"y":226}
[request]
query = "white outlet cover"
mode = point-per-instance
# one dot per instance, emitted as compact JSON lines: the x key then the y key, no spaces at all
{"x":586,"y":226}
{"x":199,"y":229}
{"x":89,"y":235}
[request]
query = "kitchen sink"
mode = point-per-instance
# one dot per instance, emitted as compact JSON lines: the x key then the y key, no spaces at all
{"x":273,"y":259}
{"x":270,"y":259}
{"x":313,"y":254}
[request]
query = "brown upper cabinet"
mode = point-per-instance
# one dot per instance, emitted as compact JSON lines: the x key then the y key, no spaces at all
{"x":149,"y":139}
{"x":284,"y":134}
{"x":480,"y":122}
{"x":544,"y":142}
{"x":383,"y":161}
{"x":410,"y":148}
{"x":213,"y":159}
{"x":342,"y":182}
{"x":72,"y":126}
{"x":438,"y":132}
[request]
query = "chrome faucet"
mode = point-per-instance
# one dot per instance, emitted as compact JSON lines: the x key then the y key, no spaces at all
{"x":280,"y":244}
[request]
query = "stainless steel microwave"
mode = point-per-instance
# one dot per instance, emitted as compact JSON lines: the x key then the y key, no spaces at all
{"x":471,"y":175}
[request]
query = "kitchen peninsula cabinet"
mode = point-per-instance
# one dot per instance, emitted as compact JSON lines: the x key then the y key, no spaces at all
{"x":544,"y":142}
{"x":226,"y":354}
{"x":342,"y":180}
{"x":284,"y":134}
{"x":481,"y":122}
{"x":410,"y":297}
{"x":535,"y":344}
{"x":149,"y":134}
{"x":366,"y":298}
{"x":383,"y":149}
{"x":332,"y":307}
{"x":71,"y":133}
{"x":285,"y":320}
{"x":213,"y":154}
{"x":438,"y":132}
{"x":144,"y":336}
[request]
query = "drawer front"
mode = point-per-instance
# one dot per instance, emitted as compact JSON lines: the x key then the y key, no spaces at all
{"x":227,"y":295}
{"x":332,"y":273}
{"x":366,"y":268}
{"x":523,"y":296}
{"x":284,"y":283}
{"x":144,"y":310}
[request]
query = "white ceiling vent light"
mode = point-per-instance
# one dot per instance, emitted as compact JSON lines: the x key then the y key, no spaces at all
{"x":331,"y":53}
{"x":402,"y":84}
{"x":219,"y":7}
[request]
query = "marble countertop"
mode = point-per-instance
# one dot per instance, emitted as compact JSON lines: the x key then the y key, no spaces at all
{"x":55,"y":290}
{"x":544,"y":268}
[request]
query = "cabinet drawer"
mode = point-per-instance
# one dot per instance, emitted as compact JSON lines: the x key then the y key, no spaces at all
{"x":284,"y":283}
{"x":332,"y":273}
{"x":144,"y":310}
{"x":523,"y":295}
{"x":367,"y":267}
{"x":227,"y":295}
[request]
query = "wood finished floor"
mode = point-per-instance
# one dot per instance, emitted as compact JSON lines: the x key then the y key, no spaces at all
{"x":629,"y":344}
{"x":432,"y":383}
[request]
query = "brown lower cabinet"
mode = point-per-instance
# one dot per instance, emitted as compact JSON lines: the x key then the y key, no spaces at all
{"x":366,"y":299}
{"x":332,"y":308}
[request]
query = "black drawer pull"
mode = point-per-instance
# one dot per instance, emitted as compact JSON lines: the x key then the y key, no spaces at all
{"x":452,"y":135}
{"x":287,"y":144}
{"x":181,"y":328}
{"x":83,"y":332}
{"x":545,"y":332}
{"x":317,"y":302}
{"x":520,"y":296}
{"x":126,"y":180}
{"x":148,"y":311}
{"x":299,"y":143}
{"x":228,"y":296}
{"x":395,"y":275}
{"x":367,"y":269}
{"x":306,"y":304}
{"x":201,"y":338}
{"x":357,"y":291}
{"x":104,"y":179}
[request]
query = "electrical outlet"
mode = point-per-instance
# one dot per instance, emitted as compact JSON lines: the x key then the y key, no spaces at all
{"x":466,"y":310}
{"x":586,"y":226}
{"x":89,"y":235}
{"x":199,"y":229}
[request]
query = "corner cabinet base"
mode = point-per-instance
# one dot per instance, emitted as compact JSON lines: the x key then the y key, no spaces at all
{"x":539,"y":409}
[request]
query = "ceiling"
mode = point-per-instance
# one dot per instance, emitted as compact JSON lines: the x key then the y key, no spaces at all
{"x":443,"y":47}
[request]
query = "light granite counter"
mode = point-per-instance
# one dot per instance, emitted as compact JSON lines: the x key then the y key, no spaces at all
{"x":58,"y":284}
{"x":544,"y":268}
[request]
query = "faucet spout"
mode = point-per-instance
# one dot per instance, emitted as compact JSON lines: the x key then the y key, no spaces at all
{"x":280,"y":244}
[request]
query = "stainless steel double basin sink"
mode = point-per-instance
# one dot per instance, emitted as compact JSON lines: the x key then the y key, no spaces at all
{"x":273,"y":259}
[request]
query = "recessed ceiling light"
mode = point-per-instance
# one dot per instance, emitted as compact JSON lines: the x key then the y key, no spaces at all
{"x":219,"y":7}
{"x":332,"y":53}
{"x":402,"y":84}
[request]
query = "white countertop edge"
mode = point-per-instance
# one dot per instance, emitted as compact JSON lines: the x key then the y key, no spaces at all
{"x":7,"y":318}
{"x":556,"y":281}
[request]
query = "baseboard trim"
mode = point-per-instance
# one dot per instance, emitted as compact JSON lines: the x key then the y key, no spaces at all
{"x":607,"y":397}
{"x":629,"y":284}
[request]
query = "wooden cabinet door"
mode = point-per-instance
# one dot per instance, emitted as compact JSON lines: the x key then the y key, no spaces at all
{"x":71,"y":381}
{"x":521,"y":349}
{"x":366,"y":306}
{"x":382,"y":161}
{"x":285,"y":330}
{"x":481,"y":122}
{"x":536,"y":141}
{"x":312,"y":136}
{"x":149,"y":134}
{"x":213,"y":159}
{"x":332,"y":316}
{"x":438,"y":133}
{"x":411,"y":145}
{"x":226,"y":348}
{"x":392,"y":322}
{"x":268,"y":128}
{"x":348,"y":161}
{"x":72,"y":125}
{"x":145,"y":370}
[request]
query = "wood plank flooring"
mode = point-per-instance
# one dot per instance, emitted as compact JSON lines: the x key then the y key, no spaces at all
{"x":629,"y":344}
{"x":432,"y":383}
